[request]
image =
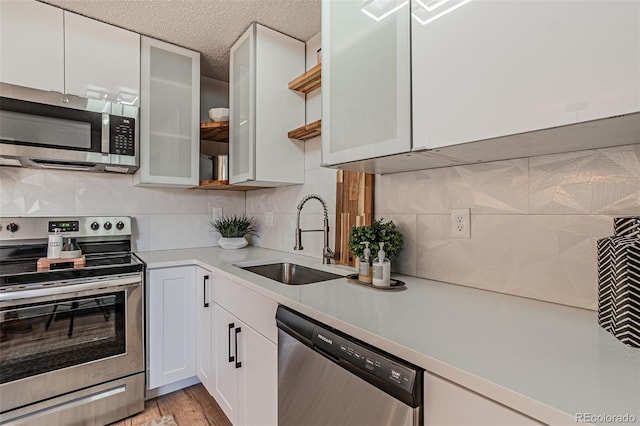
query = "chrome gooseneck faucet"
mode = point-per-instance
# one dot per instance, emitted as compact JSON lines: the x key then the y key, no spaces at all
{"x":327,"y":253}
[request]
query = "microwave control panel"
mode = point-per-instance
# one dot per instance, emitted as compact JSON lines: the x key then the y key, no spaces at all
{"x":122,"y":135}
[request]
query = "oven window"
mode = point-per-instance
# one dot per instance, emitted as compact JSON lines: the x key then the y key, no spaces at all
{"x":38,"y":338}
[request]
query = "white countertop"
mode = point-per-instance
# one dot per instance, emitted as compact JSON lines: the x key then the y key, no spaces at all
{"x":545,"y":360}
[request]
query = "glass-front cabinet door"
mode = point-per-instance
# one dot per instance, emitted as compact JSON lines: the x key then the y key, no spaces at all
{"x":366,"y":81}
{"x":169,"y":115}
{"x":242,"y":108}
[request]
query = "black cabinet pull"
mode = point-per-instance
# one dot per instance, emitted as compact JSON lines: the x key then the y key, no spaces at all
{"x":238,"y":363}
{"x":204,"y":290}
{"x":231,"y":359}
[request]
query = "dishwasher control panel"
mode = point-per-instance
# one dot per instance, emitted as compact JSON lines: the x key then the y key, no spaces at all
{"x":362,"y":358}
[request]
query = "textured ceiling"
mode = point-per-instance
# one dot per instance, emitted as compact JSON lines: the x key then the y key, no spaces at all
{"x":208,"y":26}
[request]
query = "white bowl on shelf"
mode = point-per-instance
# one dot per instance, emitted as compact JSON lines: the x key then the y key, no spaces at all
{"x":219,"y":114}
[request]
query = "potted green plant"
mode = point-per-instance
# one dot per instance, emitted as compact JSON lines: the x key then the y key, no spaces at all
{"x":377,"y":232}
{"x":233,"y":230}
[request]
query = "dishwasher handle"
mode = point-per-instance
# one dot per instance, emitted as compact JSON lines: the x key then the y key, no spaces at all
{"x":295,"y":325}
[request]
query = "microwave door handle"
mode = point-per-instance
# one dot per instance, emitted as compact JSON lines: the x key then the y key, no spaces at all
{"x":104,"y":145}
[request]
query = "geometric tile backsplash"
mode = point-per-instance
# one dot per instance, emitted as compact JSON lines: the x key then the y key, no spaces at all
{"x":534,"y":221}
{"x":164,"y":218}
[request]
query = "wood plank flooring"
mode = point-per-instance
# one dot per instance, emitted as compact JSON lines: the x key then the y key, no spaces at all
{"x":192,"y":406}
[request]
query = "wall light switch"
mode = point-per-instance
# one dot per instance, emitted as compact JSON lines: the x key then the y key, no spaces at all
{"x":216,"y":213}
{"x":268,"y":219}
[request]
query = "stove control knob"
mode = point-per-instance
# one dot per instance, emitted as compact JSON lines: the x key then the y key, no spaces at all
{"x":107,"y":226}
{"x":95,"y":226}
{"x":120,"y":225}
{"x":12,"y":227}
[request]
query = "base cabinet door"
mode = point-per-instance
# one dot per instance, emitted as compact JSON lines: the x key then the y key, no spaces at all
{"x":443,"y":401}
{"x":245,"y":372}
{"x":258,"y":380}
{"x":171,"y":320}
{"x":225,"y":373}
{"x":204,"y":323}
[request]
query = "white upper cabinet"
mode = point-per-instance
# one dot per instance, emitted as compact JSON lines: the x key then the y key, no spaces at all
{"x":101,"y":61}
{"x":486,"y":80}
{"x":242,"y":112}
{"x":366,"y":80}
{"x":32,"y":45}
{"x":492,"y":68}
{"x":169,"y":115}
{"x":263,"y":109}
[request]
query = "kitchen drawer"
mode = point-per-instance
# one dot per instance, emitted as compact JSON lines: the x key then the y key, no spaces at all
{"x":255,"y":310}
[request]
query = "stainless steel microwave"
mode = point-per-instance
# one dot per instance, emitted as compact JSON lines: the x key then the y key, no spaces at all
{"x":50,"y":130}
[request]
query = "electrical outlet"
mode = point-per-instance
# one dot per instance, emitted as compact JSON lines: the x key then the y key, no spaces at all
{"x":216,"y":213}
{"x":461,"y":223}
{"x":268,"y":219}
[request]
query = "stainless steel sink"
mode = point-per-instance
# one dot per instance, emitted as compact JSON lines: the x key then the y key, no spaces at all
{"x":290,"y":273}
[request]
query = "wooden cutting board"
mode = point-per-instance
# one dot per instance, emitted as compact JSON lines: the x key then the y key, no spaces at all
{"x":354,"y":207}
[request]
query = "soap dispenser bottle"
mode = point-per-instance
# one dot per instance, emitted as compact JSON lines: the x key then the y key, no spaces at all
{"x":381,"y":269}
{"x":364,"y":267}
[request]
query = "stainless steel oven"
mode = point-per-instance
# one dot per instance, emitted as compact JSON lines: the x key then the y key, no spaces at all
{"x":50,"y":130}
{"x":71,"y":337}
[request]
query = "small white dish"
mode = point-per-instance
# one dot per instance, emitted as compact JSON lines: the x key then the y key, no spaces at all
{"x":219,"y":114}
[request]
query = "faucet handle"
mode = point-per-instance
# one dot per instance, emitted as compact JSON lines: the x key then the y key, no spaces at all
{"x":298,"y":245}
{"x":328,"y":254}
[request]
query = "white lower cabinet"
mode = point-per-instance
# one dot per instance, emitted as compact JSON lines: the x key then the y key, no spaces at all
{"x":171,"y":325}
{"x":225,"y":376}
{"x":245,"y":361}
{"x":245,"y":371}
{"x":201,"y":324}
{"x":446,"y":403}
{"x":204,"y":332}
{"x":258,"y":379}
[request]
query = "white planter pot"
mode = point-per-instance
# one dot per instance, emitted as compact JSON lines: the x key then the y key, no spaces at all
{"x":232,"y":243}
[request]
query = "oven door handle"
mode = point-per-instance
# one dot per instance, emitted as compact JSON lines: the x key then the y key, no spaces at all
{"x":37,"y":293}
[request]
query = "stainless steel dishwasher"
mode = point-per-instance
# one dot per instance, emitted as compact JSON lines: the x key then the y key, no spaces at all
{"x":327,"y":378}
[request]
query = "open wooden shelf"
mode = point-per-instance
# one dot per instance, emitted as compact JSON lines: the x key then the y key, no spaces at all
{"x":216,"y":131}
{"x":307,"y":131}
{"x":308,"y":81}
{"x":223,"y":185}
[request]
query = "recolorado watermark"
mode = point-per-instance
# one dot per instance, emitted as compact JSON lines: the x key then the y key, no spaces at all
{"x":605,"y":418}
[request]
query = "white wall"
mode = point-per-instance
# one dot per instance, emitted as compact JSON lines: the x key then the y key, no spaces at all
{"x":213,"y":94}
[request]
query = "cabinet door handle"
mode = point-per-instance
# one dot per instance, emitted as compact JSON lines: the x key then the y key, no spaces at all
{"x":204,"y":290}
{"x":238,"y":363}
{"x":231,"y":359}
